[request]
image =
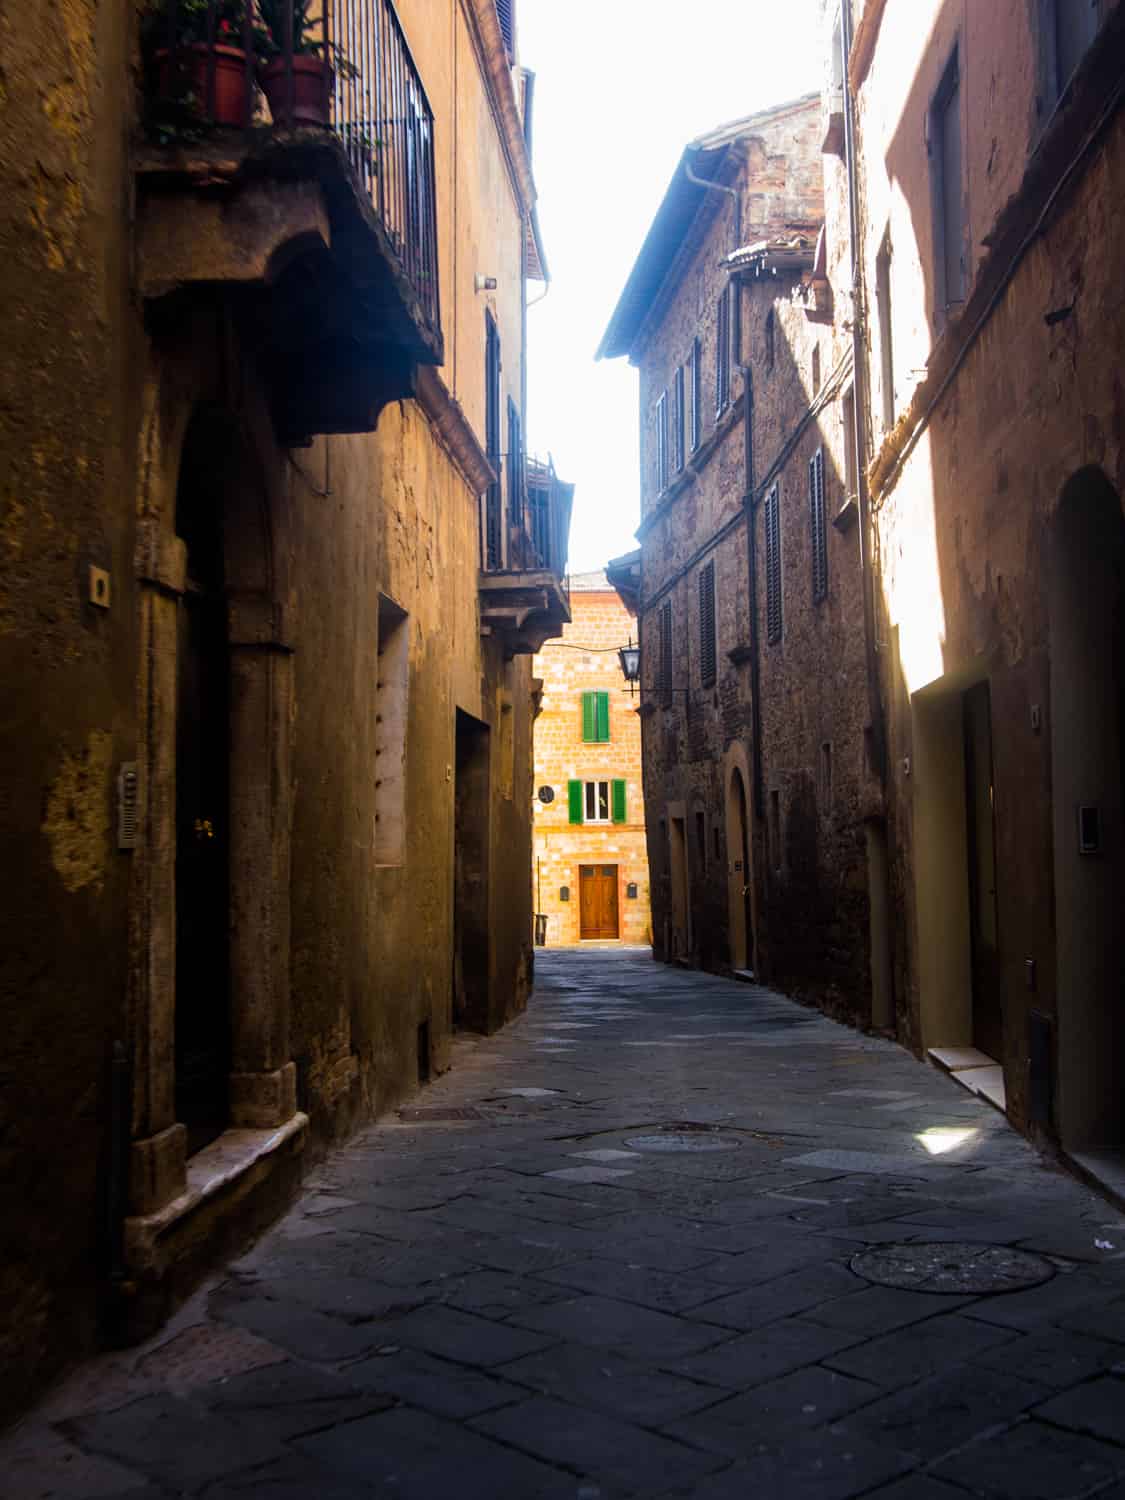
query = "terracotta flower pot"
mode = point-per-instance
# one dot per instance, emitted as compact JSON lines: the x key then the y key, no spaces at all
{"x":312,"y":86}
{"x":231,"y":79}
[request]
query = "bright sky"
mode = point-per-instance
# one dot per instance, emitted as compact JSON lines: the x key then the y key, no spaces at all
{"x":621,"y":87}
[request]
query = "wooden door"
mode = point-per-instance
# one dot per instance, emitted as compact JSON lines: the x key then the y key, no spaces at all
{"x":597,"y":889}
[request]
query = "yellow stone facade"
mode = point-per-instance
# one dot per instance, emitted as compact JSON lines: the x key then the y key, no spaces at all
{"x":585,"y":661}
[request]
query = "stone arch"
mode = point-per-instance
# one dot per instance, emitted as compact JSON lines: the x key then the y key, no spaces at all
{"x":1086,"y":599}
{"x":202,"y":413}
{"x":739,"y":842}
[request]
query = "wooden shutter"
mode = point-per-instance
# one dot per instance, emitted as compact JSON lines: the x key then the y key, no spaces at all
{"x":678,"y":420}
{"x":619,"y":802}
{"x":589,"y":717}
{"x":515,"y":465}
{"x":773,"y":566}
{"x":722,"y":352}
{"x":666,"y":651}
{"x":505,"y":14}
{"x":662,"y":443}
{"x":696,"y":389}
{"x":818,"y":523}
{"x":494,"y":540}
{"x":574,"y":799}
{"x":601,"y":717}
{"x":707,"y":667}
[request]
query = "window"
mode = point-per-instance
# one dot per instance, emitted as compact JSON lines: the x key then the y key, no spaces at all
{"x":773,"y":566}
{"x":722,"y":352}
{"x":515,"y":464}
{"x":595,"y":718}
{"x":694,"y":426}
{"x":847,"y":422}
{"x":1069,"y":27}
{"x":819,"y":528}
{"x":678,"y":420}
{"x":769,"y":340}
{"x":826,"y":776}
{"x":662,"y":443}
{"x":596,"y":801}
{"x":392,"y":679}
{"x":945,"y":152}
{"x":666,"y":652}
{"x":707,"y":669}
{"x":886,"y":336}
{"x":816,"y":370}
{"x":494,"y":522}
{"x":506,"y":15}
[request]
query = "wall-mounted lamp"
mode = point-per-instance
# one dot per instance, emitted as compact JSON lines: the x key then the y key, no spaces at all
{"x":484,"y":283}
{"x":630,"y":659}
{"x":564,"y":893}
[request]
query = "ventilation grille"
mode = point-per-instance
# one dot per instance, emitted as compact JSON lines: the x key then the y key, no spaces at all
{"x":128,"y":785}
{"x":773,"y":566}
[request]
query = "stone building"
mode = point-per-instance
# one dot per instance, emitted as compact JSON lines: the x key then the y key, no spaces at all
{"x":991,"y":161}
{"x":750,"y":576}
{"x":590,"y":868}
{"x":271,"y":583}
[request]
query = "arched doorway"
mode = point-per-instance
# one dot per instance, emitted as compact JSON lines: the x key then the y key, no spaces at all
{"x":1087,"y":656}
{"x":739,"y":886}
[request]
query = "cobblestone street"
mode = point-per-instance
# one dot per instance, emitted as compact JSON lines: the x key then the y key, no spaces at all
{"x":543,"y":1278}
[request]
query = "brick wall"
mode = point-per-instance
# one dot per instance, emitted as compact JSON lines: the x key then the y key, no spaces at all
{"x":602,"y":624}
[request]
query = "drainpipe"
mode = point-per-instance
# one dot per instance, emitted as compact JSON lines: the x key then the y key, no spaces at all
{"x":877,"y":750}
{"x":752,"y":569}
{"x":720,"y":187}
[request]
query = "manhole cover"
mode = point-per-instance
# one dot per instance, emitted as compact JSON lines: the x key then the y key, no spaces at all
{"x":685,"y":1137}
{"x":952,"y":1268}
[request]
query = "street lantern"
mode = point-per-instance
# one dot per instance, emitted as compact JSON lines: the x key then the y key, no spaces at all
{"x":630,"y":658}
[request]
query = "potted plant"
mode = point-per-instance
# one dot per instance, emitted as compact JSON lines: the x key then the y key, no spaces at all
{"x":202,"y":67}
{"x":298,"y":87}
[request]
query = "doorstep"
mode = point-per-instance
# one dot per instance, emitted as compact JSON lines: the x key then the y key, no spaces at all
{"x":973,"y":1070}
{"x":1103,"y":1170}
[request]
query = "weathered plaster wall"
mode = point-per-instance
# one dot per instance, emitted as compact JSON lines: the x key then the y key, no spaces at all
{"x":601,"y":623}
{"x":65,"y":666}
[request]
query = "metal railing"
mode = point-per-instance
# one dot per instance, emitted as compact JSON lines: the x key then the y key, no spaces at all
{"x":343,"y":65}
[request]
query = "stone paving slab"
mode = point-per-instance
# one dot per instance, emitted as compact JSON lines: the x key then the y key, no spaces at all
{"x":443,"y":1314}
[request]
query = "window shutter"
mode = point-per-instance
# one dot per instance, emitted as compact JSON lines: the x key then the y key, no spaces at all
{"x":696,"y":389}
{"x":666,"y":651}
{"x":817,"y":521}
{"x":678,"y":420}
{"x":574,"y":797}
{"x":505,"y":14}
{"x":773,"y":566}
{"x":494,"y":524}
{"x":589,"y":717}
{"x":619,"y":802}
{"x":707,"y":666}
{"x":662,"y":443}
{"x":601,"y":724}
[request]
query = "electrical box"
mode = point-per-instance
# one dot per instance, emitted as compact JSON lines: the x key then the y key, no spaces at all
{"x":128,"y":784}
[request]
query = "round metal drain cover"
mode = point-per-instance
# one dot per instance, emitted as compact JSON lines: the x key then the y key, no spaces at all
{"x":686,"y":1137}
{"x":953,"y":1269}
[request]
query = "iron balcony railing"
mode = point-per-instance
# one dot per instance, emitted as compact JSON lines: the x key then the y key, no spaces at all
{"x":342,"y":65}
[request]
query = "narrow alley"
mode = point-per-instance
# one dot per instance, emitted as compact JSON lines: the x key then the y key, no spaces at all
{"x":614,"y":1252}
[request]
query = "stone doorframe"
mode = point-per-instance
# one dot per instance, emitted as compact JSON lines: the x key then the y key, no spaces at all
{"x":737,"y":762}
{"x":197,"y":373}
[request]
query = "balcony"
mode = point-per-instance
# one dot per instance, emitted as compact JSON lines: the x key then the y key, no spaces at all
{"x":288,"y":162}
{"x":523,"y":595}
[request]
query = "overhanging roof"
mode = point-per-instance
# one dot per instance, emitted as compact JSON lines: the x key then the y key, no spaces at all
{"x":706,"y":155}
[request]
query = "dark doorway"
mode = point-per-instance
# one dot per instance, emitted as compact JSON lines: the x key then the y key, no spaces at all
{"x":598,"y":912}
{"x":203,"y":1019}
{"x":1087,"y":710}
{"x":472,"y":954}
{"x":984,"y":940}
{"x":738,"y":839}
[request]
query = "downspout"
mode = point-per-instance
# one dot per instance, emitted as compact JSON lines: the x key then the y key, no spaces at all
{"x":752,"y":570}
{"x":877,"y":748}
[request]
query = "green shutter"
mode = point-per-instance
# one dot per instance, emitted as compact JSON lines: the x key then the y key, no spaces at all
{"x":589,"y":718}
{"x":603,"y":716}
{"x":574,"y":793}
{"x":619,"y":802}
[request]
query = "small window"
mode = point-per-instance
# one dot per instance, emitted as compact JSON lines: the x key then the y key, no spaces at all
{"x":945,"y":153}
{"x":818,"y":526}
{"x":847,"y":422}
{"x":1069,"y":28}
{"x":773,"y":566}
{"x":595,"y":718}
{"x":722,"y":351}
{"x":662,"y":443}
{"x":597,"y":801}
{"x":694,"y":426}
{"x":391,"y":689}
{"x":886,"y":330}
{"x":707,"y":665}
{"x":816,"y":370}
{"x":769,"y":340}
{"x":678,"y":420}
{"x":666,"y":652}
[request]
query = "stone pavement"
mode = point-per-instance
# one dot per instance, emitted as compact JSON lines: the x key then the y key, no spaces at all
{"x":539,"y":1281}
